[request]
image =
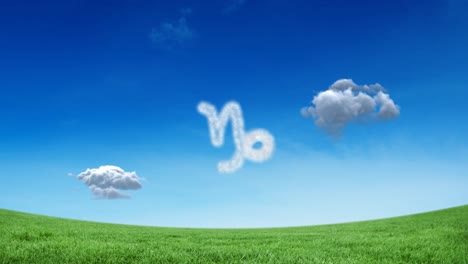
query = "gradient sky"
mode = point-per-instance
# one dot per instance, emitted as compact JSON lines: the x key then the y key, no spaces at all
{"x":86,"y":84}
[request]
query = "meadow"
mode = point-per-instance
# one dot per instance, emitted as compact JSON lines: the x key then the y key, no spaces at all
{"x":434,"y":237}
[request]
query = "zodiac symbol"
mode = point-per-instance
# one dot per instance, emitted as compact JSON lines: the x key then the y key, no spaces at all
{"x":243,"y":141}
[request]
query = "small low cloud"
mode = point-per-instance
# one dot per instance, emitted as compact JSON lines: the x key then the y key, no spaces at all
{"x":171,"y":34}
{"x":106,"y":182}
{"x":70,"y":174}
{"x":345,"y":102}
{"x":233,"y":5}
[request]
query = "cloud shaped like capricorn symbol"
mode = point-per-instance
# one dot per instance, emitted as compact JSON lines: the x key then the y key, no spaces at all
{"x":243,"y":141}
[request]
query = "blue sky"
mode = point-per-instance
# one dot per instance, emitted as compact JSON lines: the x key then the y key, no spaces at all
{"x":86,"y":84}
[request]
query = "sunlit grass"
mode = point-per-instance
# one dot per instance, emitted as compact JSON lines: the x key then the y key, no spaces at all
{"x":435,"y":237}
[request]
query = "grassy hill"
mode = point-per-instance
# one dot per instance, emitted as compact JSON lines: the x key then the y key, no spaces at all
{"x":434,"y":237}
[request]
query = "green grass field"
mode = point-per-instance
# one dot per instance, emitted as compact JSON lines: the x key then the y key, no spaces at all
{"x":434,"y":237}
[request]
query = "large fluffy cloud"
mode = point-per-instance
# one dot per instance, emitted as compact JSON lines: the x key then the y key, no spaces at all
{"x":106,"y":181}
{"x":346,"y":102}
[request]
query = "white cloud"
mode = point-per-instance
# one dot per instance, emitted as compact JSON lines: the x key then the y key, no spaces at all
{"x":345,"y":84}
{"x":106,"y":181}
{"x":346,"y":102}
{"x":186,"y":11}
{"x":388,"y":109}
{"x":171,"y":34}
{"x":243,"y":141}
{"x":69,"y":174}
{"x":233,"y":5}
